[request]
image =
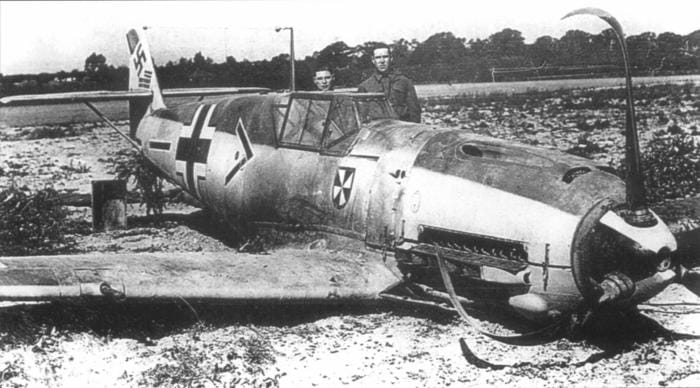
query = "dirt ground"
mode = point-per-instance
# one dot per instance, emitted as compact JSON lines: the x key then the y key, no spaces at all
{"x":181,"y":344}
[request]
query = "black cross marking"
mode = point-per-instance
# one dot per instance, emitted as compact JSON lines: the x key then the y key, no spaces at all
{"x":193,"y":150}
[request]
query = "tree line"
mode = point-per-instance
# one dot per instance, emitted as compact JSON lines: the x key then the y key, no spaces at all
{"x":441,"y":58}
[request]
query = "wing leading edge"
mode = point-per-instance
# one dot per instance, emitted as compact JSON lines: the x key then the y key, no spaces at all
{"x":284,"y":275}
{"x":118,"y":95}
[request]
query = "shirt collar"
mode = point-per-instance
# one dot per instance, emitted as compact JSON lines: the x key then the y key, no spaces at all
{"x":378,"y":77}
{"x":391,"y":73}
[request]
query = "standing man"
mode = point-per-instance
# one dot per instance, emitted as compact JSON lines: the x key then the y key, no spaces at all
{"x":397,"y":88}
{"x":324,"y":79}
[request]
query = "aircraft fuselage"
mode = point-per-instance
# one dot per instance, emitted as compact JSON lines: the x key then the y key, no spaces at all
{"x":509,"y":212}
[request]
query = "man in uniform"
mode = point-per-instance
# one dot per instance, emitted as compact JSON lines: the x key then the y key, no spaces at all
{"x":397,"y":88}
{"x":324,"y":79}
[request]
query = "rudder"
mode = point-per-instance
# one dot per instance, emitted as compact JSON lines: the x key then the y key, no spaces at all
{"x":142,"y":75}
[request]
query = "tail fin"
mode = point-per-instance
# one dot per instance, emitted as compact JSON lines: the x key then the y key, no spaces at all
{"x":142,"y":74}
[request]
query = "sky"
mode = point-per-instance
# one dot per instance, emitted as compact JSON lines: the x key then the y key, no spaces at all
{"x":52,"y":36}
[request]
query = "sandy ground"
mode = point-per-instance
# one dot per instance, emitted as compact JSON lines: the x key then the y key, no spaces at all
{"x":180,"y":344}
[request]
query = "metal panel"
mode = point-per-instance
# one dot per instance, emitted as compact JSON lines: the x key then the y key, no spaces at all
{"x":450,"y":202}
{"x":163,"y":131}
{"x":396,"y":144}
{"x":526,"y":171}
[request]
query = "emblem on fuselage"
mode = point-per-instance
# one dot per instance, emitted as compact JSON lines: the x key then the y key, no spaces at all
{"x":241,"y":157}
{"x":342,"y":186}
{"x":193,"y":148}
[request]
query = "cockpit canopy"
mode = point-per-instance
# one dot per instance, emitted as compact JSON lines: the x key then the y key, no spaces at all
{"x":328,"y":122}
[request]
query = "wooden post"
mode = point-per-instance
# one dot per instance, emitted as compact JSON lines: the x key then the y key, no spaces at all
{"x":108,"y":204}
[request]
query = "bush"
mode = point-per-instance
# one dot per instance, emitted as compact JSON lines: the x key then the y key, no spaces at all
{"x":30,"y":223}
{"x":133,"y":165}
{"x":671,"y":166}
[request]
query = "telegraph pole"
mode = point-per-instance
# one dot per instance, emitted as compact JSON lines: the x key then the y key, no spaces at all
{"x":291,"y":55}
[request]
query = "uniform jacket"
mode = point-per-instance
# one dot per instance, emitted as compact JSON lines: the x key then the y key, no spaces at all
{"x":398,"y":89}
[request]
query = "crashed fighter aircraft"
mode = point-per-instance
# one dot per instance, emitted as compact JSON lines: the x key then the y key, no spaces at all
{"x":444,"y":214}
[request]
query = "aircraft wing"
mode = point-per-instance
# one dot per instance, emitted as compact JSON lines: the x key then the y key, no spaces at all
{"x":73,"y":97}
{"x":117,"y":95}
{"x":283,"y":275}
{"x":187,"y":92}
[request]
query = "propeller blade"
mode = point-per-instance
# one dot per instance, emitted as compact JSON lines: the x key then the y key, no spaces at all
{"x":636,"y":194}
{"x":691,"y":280}
{"x":610,"y":19}
{"x":653,"y":285}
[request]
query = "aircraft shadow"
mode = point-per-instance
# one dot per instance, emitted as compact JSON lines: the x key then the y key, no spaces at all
{"x":147,"y":321}
{"x":248,"y":238}
{"x":24,"y":324}
{"x":620,"y":330}
{"x":201,"y":221}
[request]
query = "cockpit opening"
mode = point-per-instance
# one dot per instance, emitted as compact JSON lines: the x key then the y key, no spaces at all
{"x":328,"y":122}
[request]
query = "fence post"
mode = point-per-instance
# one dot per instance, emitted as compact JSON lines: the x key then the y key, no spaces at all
{"x":108,"y":204}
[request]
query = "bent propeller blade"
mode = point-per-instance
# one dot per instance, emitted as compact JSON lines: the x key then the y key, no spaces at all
{"x":636,"y":194}
{"x":610,"y":19}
